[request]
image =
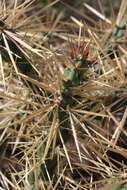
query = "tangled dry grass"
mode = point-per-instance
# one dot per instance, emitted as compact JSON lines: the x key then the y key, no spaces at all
{"x":62,"y":97}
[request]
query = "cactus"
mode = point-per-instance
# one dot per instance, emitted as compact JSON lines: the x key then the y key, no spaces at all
{"x":62,"y":115}
{"x":121,"y":186}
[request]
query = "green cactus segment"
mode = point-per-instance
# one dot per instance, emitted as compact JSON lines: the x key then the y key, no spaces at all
{"x":122,"y":186}
{"x":118,"y":31}
{"x":47,"y":170}
{"x":116,"y":34}
{"x":73,"y":75}
{"x":70,"y":79}
{"x":70,"y":75}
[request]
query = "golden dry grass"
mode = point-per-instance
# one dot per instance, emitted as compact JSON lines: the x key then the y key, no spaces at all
{"x":57,"y":130}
